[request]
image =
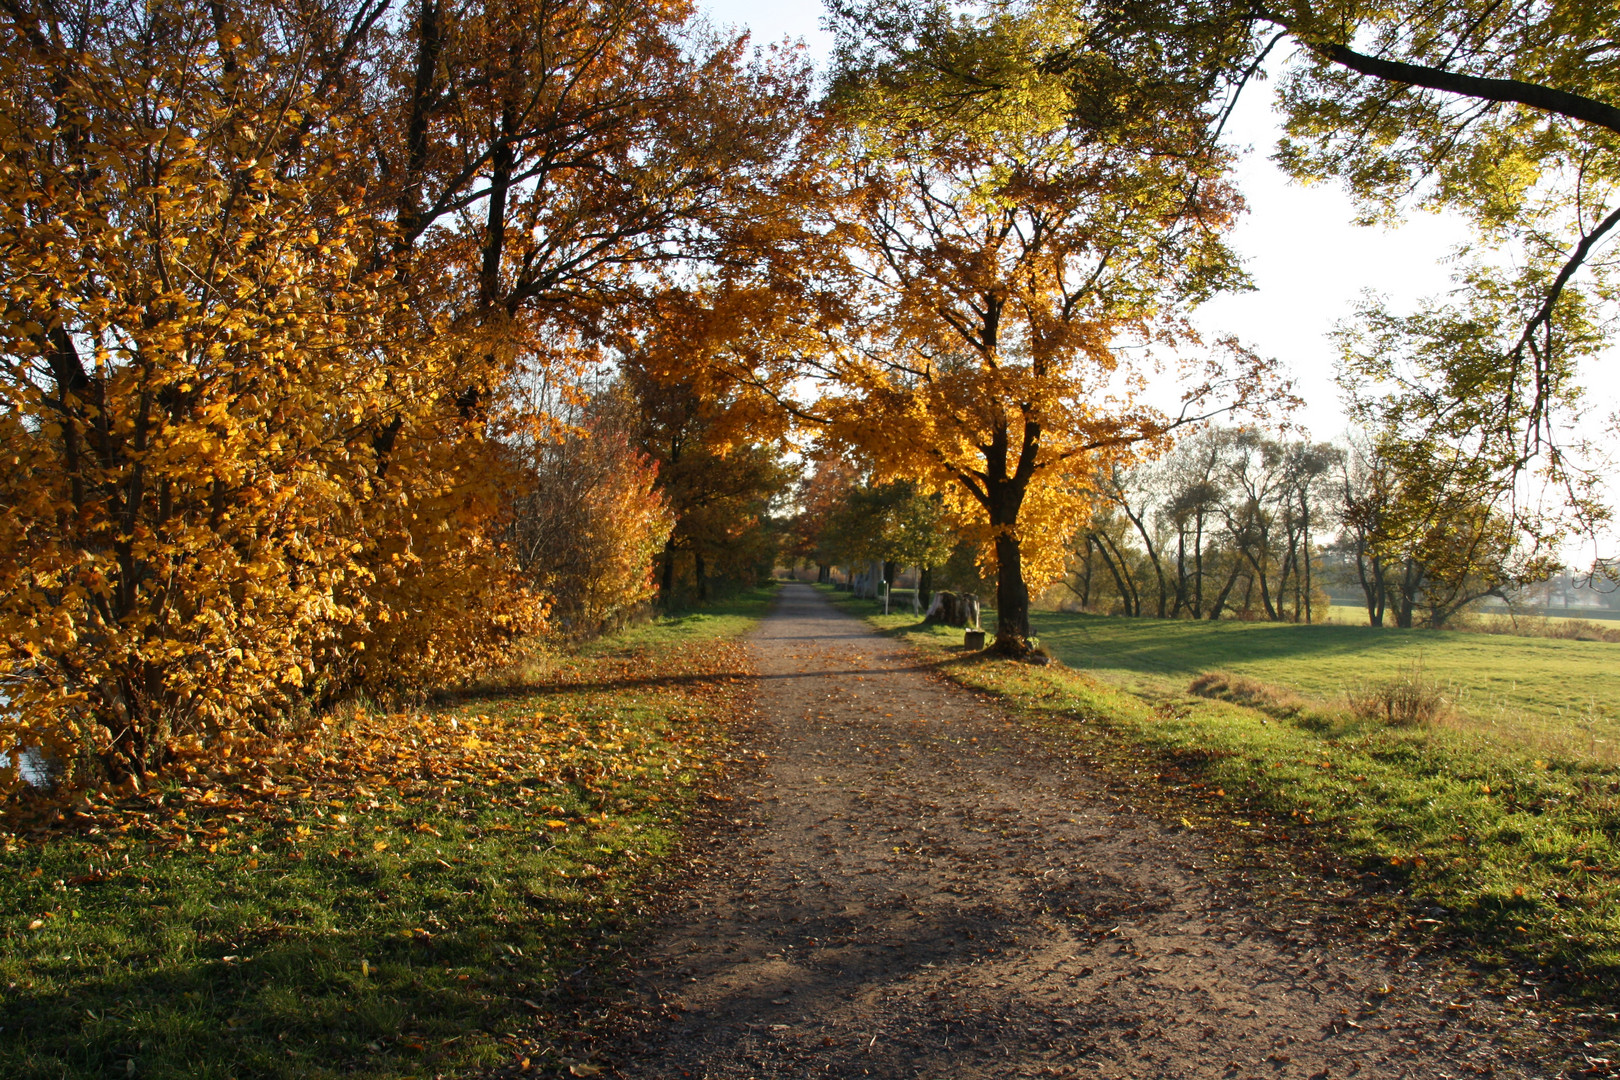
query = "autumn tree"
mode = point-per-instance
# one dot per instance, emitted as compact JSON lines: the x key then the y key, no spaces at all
{"x":1135,"y":502}
{"x":551,"y":171}
{"x":268,"y":272}
{"x":589,"y":523}
{"x":1431,"y":529}
{"x":817,"y":496}
{"x":1503,"y":112}
{"x":543,"y":168}
{"x":1193,"y":496}
{"x":1226,"y":520}
{"x":561,"y":157}
{"x":1004,"y":256}
{"x":195,"y":345}
{"x":1106,"y":540}
{"x":1365,"y":496}
{"x":720,"y":480}
{"x":1267,"y":520}
{"x":892,"y":523}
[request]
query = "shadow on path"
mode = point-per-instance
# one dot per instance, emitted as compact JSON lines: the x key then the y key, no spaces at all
{"x":913,"y":888}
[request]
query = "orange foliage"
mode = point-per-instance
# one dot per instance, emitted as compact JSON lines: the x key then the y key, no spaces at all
{"x":1002,"y":268}
{"x":199,"y":351}
{"x":590,"y":526}
{"x":266,"y":273}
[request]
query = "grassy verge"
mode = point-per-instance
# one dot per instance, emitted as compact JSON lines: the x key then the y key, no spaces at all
{"x":1517,"y":857}
{"x":397,"y":896}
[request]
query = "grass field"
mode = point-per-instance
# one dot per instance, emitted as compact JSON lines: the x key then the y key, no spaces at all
{"x":1520,"y":855}
{"x":399,"y":896}
{"x":1554,"y":696}
{"x":1353,"y":614}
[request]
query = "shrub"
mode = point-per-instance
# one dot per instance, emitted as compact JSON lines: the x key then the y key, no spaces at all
{"x":589,"y":530}
{"x":1411,"y":700}
{"x":244,"y":471}
{"x":1542,"y":627}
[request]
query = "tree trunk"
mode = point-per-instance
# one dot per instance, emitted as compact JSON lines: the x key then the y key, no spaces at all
{"x":1120,"y":572}
{"x":925,"y":586}
{"x":1219,"y":604}
{"x":1288,"y":568}
{"x":666,"y":587}
{"x":1265,"y":592}
{"x":1198,"y":567}
{"x":1152,"y":553}
{"x":1012,"y":596}
{"x":1306,"y":511}
{"x":1406,"y":594}
{"x":823,"y":573}
{"x":1183,"y":596}
{"x":1372,"y":588}
{"x":1085,"y":595}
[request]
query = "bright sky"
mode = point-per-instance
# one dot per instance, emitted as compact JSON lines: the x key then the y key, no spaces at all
{"x":1310,"y":265}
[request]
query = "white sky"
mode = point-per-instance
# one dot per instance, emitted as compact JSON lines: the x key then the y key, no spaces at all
{"x":1310,"y":265}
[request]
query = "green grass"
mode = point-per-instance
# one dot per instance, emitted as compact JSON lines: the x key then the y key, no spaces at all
{"x":407,"y":896}
{"x":1522,"y":854}
{"x":731,"y":617}
{"x":1352,"y":613}
{"x":1555,"y":697}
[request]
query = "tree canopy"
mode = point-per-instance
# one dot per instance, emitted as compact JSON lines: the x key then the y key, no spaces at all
{"x":1503,"y":112}
{"x":1005,"y":255}
{"x":343,"y":346}
{"x":270,"y":275}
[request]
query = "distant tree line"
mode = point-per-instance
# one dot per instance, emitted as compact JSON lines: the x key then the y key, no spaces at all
{"x":1239,"y":523}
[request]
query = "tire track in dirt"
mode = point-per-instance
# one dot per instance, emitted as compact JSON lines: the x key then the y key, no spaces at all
{"x":915,"y":888}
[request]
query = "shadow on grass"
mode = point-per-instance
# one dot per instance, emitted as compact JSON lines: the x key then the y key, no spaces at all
{"x":472,"y":695}
{"x":1165,"y":647}
{"x":323,"y":972}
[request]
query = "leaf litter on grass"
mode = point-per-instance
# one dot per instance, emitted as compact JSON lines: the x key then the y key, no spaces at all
{"x":385,"y":894}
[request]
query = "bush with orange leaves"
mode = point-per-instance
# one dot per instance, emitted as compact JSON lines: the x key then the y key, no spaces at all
{"x":590,"y":524}
{"x":199,"y":355}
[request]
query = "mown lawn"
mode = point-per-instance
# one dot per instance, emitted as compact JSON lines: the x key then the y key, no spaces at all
{"x":1556,"y":697}
{"x":1511,"y":854}
{"x":399,"y":895}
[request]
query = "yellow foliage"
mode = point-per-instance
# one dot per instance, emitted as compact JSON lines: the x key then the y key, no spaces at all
{"x":1012,"y":273}
{"x":202,"y":353}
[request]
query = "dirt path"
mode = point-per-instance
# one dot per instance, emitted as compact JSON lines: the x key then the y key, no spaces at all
{"x":915,"y":889}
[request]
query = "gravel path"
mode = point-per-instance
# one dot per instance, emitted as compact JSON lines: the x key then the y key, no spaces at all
{"x":915,"y":888}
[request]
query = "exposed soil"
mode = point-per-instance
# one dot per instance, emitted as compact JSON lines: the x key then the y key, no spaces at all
{"x":914,"y":887}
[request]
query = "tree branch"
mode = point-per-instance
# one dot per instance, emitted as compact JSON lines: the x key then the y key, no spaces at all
{"x":1545,"y":98}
